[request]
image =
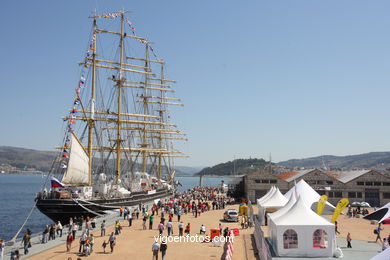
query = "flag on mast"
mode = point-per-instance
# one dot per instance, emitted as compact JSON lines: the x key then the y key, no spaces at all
{"x":56,"y":183}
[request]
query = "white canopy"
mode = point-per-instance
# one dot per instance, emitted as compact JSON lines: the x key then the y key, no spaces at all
{"x":385,"y":255}
{"x":267,"y":195}
{"x":275,"y":201}
{"x":381,"y":214}
{"x":300,"y":232}
{"x":284,"y":209}
{"x":308,"y":194}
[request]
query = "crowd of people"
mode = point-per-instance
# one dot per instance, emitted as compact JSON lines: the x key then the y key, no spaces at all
{"x":193,"y":202}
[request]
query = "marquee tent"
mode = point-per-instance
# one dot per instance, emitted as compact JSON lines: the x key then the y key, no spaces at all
{"x":267,"y":195}
{"x":300,"y":232}
{"x":272,"y":203}
{"x":381,"y":214}
{"x":279,"y":213}
{"x":308,"y":194}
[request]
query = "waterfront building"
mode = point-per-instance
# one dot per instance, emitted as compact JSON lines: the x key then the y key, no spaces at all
{"x":357,"y":185}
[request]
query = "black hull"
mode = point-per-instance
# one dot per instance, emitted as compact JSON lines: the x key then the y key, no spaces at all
{"x":63,"y":209}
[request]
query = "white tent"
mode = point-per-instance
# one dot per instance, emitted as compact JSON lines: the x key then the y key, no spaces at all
{"x":272,"y":203}
{"x":280,"y":212}
{"x":381,"y":214}
{"x":267,"y":195}
{"x":308,"y":194}
{"x":385,"y":255}
{"x":300,"y":232}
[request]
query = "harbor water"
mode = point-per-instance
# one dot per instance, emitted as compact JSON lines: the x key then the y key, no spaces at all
{"x":17,"y":193}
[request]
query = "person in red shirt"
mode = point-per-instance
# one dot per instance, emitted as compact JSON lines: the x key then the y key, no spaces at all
{"x":69,"y":240}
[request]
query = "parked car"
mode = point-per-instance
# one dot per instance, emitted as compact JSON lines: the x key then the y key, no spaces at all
{"x":231,"y":215}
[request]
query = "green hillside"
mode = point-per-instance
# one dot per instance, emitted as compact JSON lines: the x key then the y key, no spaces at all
{"x":236,"y":167}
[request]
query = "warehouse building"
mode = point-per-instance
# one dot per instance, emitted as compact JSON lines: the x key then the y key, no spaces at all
{"x":357,"y":185}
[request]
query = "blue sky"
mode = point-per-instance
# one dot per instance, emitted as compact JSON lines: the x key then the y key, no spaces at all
{"x":291,"y":78}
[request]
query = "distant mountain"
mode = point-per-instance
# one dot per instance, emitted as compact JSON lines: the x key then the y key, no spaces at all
{"x":22,"y":159}
{"x":367,"y":160}
{"x":186,"y":170}
{"x":236,"y":167}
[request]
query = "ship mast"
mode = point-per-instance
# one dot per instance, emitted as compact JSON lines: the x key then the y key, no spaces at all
{"x":149,"y":124}
{"x":119,"y":85}
{"x":146,"y":110}
{"x":160,"y":137}
{"x":92,"y":107}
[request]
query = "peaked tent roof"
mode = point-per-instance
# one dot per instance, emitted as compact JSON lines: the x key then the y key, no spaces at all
{"x":306,"y":192}
{"x":385,"y":255}
{"x":286,"y":207}
{"x":275,"y":200}
{"x":267,"y":195}
{"x":300,"y":215}
{"x":380,"y":215}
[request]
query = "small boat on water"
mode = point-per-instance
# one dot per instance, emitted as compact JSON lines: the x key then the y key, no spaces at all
{"x":117,"y":150}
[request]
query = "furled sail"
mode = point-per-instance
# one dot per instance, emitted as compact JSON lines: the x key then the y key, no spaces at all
{"x":77,"y":170}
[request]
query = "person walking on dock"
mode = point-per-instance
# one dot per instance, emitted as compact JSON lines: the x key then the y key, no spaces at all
{"x":52,"y":232}
{"x":181,"y":227}
{"x":188,"y":229}
{"x":2,"y":246}
{"x":160,"y":228}
{"x":377,"y":231}
{"x":83,"y":240}
{"x":112,"y":240}
{"x":130,"y":218}
{"x":163,"y":249}
{"x":144,"y":222}
{"x":74,"y":229}
{"x":349,"y":239}
{"x":69,"y":240}
{"x":155,"y":248}
{"x":103,"y":229}
{"x":151,"y":217}
{"x":26,"y":241}
{"x":91,"y":242}
{"x":169,"y":228}
{"x":59,"y":229}
{"x":45,"y":234}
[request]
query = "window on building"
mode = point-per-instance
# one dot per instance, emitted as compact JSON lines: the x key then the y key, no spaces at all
{"x":312,"y":182}
{"x":351,"y":194}
{"x":329,"y":182}
{"x":360,"y":183}
{"x":330,"y":194}
{"x":359,"y":195}
{"x":386,"y":195}
{"x":368,"y":183}
{"x":386,"y":183}
{"x":264,"y":181}
{"x":290,"y":239}
{"x":273,"y":181}
{"x":338,"y":194}
{"x":377,"y":183}
{"x":321,"y":192}
{"x":257,"y":181}
{"x":320,"y":239}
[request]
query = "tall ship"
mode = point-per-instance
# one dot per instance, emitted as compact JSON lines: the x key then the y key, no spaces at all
{"x":118,"y":146}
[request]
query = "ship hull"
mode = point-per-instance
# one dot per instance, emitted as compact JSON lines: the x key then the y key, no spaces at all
{"x":64,"y":209}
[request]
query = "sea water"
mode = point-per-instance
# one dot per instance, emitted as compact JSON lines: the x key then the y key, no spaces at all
{"x":17,"y":193}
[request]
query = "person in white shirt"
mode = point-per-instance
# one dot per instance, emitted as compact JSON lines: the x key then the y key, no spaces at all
{"x":169,"y":228}
{"x":155,"y":248}
{"x":202,"y":229}
{"x":59,"y":229}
